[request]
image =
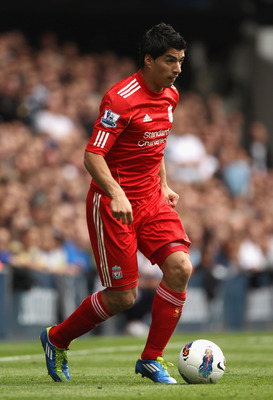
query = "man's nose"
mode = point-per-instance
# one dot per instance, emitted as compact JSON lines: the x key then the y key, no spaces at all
{"x":177,"y":67}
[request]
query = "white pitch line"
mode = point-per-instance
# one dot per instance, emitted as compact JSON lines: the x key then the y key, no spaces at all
{"x":102,"y":350}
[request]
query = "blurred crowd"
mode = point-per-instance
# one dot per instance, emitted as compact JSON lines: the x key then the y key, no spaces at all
{"x":49,"y":99}
{"x":221,"y":168}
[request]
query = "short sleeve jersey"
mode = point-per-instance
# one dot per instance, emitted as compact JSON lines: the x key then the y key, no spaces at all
{"x":131,"y":133}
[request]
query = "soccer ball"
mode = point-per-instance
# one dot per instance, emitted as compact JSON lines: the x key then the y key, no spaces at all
{"x":201,"y":361}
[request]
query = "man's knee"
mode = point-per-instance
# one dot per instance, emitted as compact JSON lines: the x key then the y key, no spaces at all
{"x":185,"y":265}
{"x":177,"y":269}
{"x":119,"y":300}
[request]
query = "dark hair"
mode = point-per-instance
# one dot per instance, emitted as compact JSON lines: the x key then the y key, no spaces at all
{"x":157,"y":40}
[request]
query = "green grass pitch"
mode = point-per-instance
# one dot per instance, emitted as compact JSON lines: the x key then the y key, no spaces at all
{"x":103,"y":368}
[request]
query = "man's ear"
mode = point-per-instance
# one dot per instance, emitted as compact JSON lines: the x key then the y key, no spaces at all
{"x":148,"y":59}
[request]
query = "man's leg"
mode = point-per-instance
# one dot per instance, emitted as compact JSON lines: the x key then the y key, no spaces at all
{"x":167,"y":307}
{"x":94,"y":309}
{"x":168,"y":303}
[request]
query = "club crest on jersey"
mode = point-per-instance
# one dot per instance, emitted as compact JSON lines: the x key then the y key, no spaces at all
{"x":116,"y":272}
{"x":109,"y":120}
{"x":170,"y":113}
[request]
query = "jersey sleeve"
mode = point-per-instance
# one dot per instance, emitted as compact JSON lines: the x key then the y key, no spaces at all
{"x":176,"y":96}
{"x":114,"y":116}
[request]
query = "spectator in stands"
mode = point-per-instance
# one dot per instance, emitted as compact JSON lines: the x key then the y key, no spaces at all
{"x":53,"y":121}
{"x":186,"y":156}
{"x":236,"y":171}
{"x":259,"y":147}
{"x":5,"y":253}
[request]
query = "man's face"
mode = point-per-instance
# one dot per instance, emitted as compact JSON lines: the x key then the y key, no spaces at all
{"x":165,"y":69}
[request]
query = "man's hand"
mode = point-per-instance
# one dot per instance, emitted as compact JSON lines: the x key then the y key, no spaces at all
{"x":171,"y":196}
{"x":120,"y":206}
{"x":121,"y":209}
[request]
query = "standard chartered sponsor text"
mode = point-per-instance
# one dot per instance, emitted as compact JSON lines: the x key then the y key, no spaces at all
{"x":156,"y":134}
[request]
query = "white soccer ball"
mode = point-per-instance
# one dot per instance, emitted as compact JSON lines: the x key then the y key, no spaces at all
{"x":201,"y":361}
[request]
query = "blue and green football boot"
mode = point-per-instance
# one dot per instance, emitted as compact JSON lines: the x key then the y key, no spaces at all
{"x":156,"y":370}
{"x":56,"y":359}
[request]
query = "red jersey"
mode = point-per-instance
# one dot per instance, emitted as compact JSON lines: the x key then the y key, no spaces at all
{"x":131,"y":133}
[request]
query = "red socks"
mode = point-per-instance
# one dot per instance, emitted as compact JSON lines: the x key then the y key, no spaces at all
{"x":86,"y":317}
{"x":166,"y":312}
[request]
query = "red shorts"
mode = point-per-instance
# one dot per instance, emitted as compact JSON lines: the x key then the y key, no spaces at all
{"x":156,"y":231}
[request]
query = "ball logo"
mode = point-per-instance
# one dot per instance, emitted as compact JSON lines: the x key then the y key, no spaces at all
{"x":205,"y":368}
{"x":186,"y":351}
{"x":220,"y":366}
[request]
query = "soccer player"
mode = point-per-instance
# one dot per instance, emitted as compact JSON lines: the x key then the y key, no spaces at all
{"x":130,"y":207}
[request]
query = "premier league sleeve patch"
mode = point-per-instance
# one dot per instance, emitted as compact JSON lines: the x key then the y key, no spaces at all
{"x":109,"y":120}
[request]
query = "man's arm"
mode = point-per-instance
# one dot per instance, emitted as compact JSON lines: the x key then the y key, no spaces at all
{"x":170,"y":195}
{"x":120,"y":206}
